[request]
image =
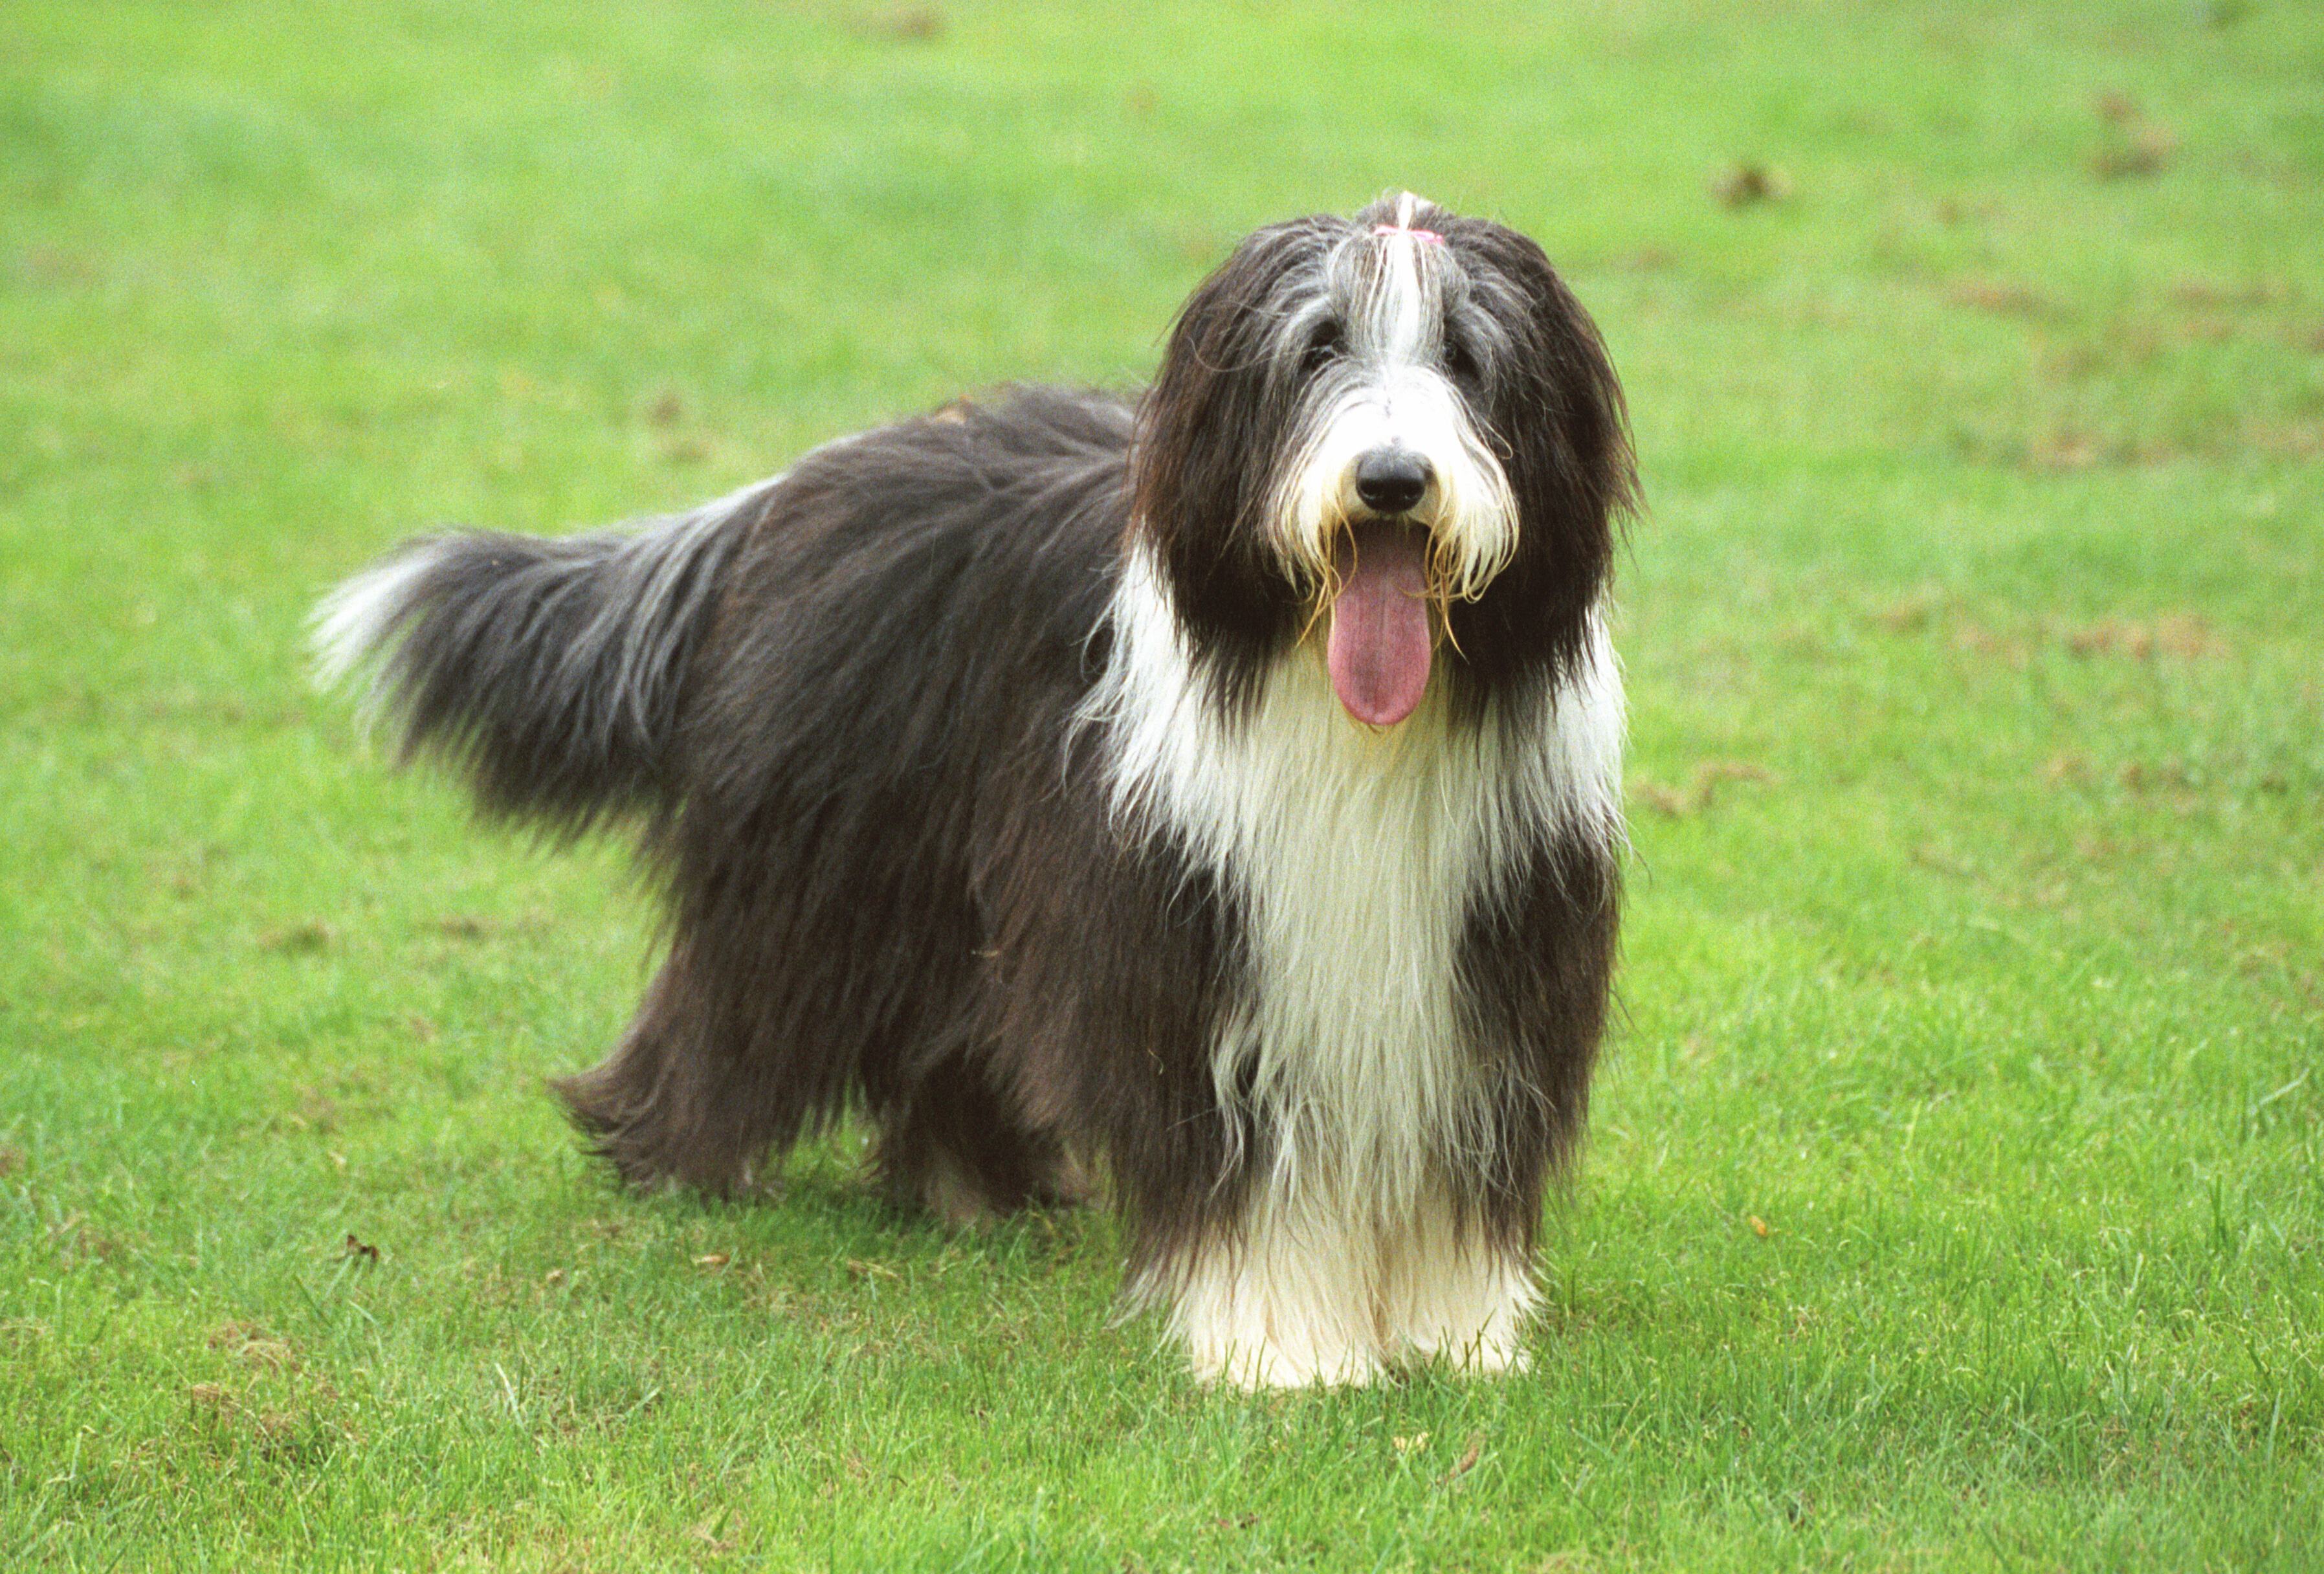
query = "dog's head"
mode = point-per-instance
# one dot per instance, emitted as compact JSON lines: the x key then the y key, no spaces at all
{"x":1397,"y":432}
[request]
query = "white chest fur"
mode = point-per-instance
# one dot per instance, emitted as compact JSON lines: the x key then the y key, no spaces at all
{"x":1355,"y":857}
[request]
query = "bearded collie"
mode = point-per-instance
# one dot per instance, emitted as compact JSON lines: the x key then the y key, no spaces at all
{"x":1214,"y":790}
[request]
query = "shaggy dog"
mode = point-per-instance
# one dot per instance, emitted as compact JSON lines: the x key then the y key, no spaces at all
{"x":1218,"y":788}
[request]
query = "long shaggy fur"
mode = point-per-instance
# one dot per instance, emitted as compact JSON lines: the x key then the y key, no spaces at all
{"x":1002,"y":771}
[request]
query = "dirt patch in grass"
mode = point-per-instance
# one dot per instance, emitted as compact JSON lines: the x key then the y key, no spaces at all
{"x":2184,"y":636}
{"x":1703,"y":788}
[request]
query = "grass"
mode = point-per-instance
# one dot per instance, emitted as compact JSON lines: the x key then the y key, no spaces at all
{"x":1954,"y":1198}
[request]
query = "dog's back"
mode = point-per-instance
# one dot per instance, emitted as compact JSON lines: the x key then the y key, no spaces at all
{"x":563,"y":676}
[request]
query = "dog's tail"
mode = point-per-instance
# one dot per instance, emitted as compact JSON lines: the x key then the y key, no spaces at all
{"x":547,"y":671}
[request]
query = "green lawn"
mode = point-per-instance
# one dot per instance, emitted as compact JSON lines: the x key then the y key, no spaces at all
{"x":1955,"y":1196}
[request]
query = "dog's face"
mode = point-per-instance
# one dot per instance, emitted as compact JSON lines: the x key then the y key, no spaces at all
{"x":1398,"y":433}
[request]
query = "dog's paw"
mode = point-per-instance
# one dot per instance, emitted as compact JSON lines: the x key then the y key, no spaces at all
{"x":1265,"y":1364}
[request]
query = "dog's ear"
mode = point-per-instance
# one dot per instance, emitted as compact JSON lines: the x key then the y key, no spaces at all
{"x":1209,"y":436}
{"x":1563,"y":374}
{"x":1203,"y":420}
{"x":1559,"y":423}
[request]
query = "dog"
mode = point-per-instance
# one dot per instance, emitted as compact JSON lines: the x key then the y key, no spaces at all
{"x":1214,"y":791}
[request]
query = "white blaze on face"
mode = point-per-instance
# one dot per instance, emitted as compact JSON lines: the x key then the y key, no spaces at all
{"x":1404,"y":298}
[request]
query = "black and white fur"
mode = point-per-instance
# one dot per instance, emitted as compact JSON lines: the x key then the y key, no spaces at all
{"x":1003,"y":792}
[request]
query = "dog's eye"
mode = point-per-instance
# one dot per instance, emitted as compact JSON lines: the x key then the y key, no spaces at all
{"x":1324,"y":347}
{"x":1461,"y":364}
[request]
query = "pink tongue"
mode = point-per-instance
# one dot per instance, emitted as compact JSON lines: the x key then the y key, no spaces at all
{"x":1380,"y":649}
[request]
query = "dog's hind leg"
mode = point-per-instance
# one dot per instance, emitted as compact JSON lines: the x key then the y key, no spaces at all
{"x":957,"y":1146}
{"x":689,"y":1097}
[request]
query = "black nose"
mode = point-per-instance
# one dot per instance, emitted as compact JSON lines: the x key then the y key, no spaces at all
{"x":1390,"y":480}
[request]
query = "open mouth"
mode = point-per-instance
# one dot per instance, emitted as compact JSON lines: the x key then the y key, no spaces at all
{"x":1381,"y":646}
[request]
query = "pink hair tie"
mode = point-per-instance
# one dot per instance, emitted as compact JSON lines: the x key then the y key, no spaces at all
{"x":1426,"y":236}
